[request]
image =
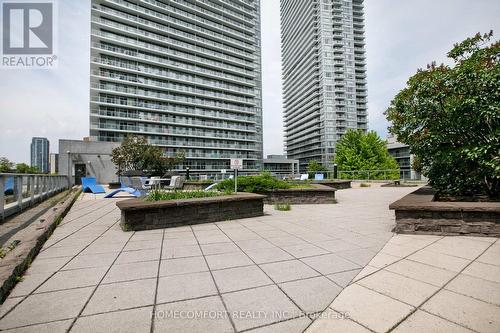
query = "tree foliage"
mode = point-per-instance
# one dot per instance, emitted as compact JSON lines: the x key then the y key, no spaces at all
{"x":6,"y":165}
{"x":450,"y":118}
{"x":25,"y":168}
{"x":358,"y":150}
{"x":315,"y":167}
{"x":136,"y":154}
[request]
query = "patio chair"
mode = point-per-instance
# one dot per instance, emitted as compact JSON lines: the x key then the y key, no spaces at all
{"x":140,"y":184}
{"x":9,"y":185}
{"x":89,"y":184}
{"x":319,"y":176}
{"x":124,"y":187}
{"x":176,"y":183}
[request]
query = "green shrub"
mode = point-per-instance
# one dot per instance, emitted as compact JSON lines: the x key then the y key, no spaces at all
{"x":449,"y":116}
{"x":253,"y":184}
{"x":283,"y":207}
{"x":157,"y":195}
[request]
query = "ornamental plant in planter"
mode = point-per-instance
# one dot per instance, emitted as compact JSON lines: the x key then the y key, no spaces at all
{"x":450,"y":118}
{"x":163,"y":209}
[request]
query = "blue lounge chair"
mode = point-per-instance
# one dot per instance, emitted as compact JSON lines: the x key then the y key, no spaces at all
{"x":89,"y":184}
{"x":9,"y":185}
{"x":319,"y":176}
{"x":124,"y":187}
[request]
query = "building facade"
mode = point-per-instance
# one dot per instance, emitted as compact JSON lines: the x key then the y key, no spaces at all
{"x":404,"y":157}
{"x":84,"y":158}
{"x":324,"y":75}
{"x":281,"y":166}
{"x":185,"y":74}
{"x":40,"y":154}
{"x":54,"y":163}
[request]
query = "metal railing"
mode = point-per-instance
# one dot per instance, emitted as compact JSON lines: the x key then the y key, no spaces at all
{"x":354,"y":175}
{"x":20,"y":191}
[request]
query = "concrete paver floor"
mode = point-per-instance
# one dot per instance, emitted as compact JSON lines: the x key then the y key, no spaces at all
{"x":275,"y":273}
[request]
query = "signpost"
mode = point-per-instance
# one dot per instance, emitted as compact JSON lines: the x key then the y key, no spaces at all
{"x":236,"y":164}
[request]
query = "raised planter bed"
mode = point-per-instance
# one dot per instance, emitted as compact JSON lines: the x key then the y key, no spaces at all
{"x":419,"y":213}
{"x":316,"y":194}
{"x":336,"y":184}
{"x":137,"y":214}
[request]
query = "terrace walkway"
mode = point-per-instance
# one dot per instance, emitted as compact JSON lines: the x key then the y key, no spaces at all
{"x":275,"y":273}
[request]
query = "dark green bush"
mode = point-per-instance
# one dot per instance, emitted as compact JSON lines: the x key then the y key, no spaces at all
{"x":450,"y":118}
{"x":253,"y":184}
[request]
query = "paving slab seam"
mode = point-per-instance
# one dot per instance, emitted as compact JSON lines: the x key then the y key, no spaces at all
{"x":274,"y":323}
{"x":233,"y":325}
{"x":74,"y":232}
{"x":379,"y":269}
{"x":299,"y":259}
{"x":269,"y":277}
{"x":437,"y":291}
{"x":157,"y":283}
{"x":315,"y":245}
{"x":51,"y":275}
{"x":100,"y":281}
{"x":401,"y":259}
{"x":79,"y":206}
{"x":97,"y":203}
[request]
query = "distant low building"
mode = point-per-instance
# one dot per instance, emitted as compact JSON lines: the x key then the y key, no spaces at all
{"x":81,"y":158}
{"x":280,"y":165}
{"x":54,"y":162}
{"x":40,"y":154}
{"x":401,"y":152}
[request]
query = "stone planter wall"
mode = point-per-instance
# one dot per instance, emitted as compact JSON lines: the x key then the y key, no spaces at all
{"x":137,"y":214}
{"x":320,"y":194}
{"x":336,"y":184}
{"x":418,"y":213}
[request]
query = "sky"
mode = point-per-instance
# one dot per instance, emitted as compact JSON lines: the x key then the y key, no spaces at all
{"x":401,"y":36}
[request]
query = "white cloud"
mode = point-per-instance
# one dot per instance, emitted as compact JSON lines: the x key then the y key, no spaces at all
{"x":401,"y":36}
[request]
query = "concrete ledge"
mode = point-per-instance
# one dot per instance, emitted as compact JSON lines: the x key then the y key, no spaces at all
{"x":137,"y":214}
{"x":31,"y":240}
{"x":418,"y":213}
{"x":318,"y":194}
{"x":336,"y":184}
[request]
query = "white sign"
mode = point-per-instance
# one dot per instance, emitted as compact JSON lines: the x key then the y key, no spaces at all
{"x":223,"y":171}
{"x":237,"y":163}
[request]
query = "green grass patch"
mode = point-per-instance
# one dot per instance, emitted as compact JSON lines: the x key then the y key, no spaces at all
{"x":283,"y":207}
{"x":160,"y":195}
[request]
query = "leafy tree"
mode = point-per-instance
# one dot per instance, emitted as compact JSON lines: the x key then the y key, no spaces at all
{"x":315,"y":167}
{"x":358,"y":150}
{"x":450,"y":118}
{"x":25,"y":168}
{"x":6,"y":165}
{"x":135,"y":153}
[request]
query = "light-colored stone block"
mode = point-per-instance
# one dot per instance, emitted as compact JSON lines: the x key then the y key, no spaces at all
{"x":311,"y":295}
{"x":464,"y":310}
{"x":421,"y":321}
{"x":259,"y":306}
{"x":182,"y":287}
{"x":330,"y":263}
{"x":238,"y":278}
{"x":369,"y":308}
{"x":288,"y":271}
{"x":122,"y":295}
